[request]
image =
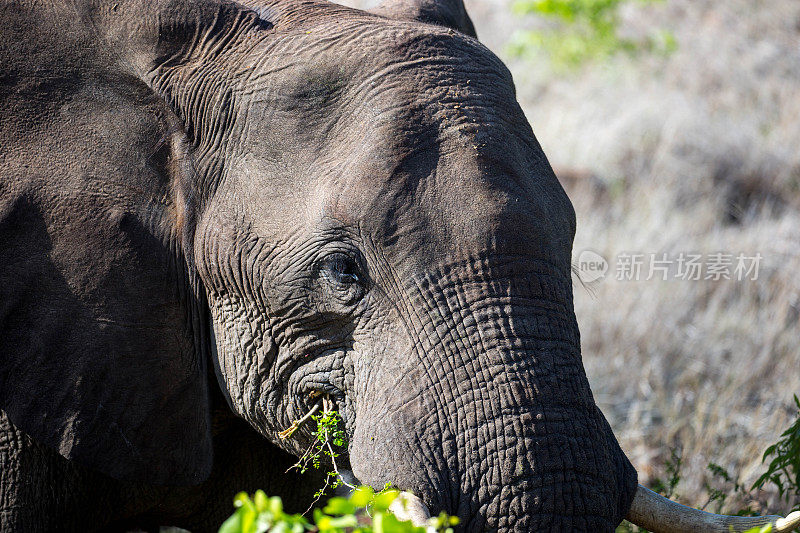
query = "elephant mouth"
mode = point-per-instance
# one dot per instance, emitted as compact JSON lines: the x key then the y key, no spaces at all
{"x":312,"y":401}
{"x":313,"y":377}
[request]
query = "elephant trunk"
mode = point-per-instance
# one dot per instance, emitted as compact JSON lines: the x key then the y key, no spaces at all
{"x":489,"y":415}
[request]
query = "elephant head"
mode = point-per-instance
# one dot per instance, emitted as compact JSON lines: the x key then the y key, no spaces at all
{"x":306,"y":199}
{"x":385,"y":229}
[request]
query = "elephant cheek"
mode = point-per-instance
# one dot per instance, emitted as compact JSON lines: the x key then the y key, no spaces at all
{"x":243,"y":356}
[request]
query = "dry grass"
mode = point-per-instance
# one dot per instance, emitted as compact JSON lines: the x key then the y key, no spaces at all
{"x":697,"y":152}
{"x":694,"y":153}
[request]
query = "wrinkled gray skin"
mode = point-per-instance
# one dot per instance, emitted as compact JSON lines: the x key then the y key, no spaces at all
{"x":211,"y":209}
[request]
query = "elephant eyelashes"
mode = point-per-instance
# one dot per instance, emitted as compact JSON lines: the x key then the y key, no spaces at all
{"x":342,"y":273}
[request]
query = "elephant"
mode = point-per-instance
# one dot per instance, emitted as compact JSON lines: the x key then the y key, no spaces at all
{"x":214,"y":212}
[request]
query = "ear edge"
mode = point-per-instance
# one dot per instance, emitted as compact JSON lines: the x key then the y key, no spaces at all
{"x":448,"y":13}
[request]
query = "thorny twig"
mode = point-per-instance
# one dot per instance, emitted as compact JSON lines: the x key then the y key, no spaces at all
{"x":336,"y":468}
{"x":318,"y":495}
{"x":288,"y":432}
{"x":322,"y":445}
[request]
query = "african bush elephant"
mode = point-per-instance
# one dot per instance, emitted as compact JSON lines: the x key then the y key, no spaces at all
{"x":212,"y":210}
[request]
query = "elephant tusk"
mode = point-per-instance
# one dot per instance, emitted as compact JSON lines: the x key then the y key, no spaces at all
{"x":410,"y":507}
{"x":661,"y":515}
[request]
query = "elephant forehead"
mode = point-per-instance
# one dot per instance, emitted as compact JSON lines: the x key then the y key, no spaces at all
{"x":458,"y":193}
{"x":449,"y":201}
{"x":365,"y":96}
{"x":418,"y":123}
{"x":367,"y":61}
{"x":410,"y":133}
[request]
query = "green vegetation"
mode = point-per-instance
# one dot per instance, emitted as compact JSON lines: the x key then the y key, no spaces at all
{"x":718,"y":494}
{"x":328,"y":438}
{"x":673,"y":470}
{"x":582,"y":30}
{"x":783,"y":472}
{"x":363,"y":512}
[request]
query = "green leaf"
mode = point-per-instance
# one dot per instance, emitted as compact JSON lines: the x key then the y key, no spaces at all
{"x":330,"y":523}
{"x":260,"y":501}
{"x":240,"y":499}
{"x":384,"y":499}
{"x":232,"y":524}
{"x":249,"y":515}
{"x":339,"y":506}
{"x":275,"y":505}
{"x":362,"y":496}
{"x":391,"y":524}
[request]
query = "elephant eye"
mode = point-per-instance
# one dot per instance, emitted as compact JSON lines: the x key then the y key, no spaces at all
{"x":343,"y":278}
{"x":341,"y":269}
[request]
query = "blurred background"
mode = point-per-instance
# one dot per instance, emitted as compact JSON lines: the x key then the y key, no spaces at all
{"x":681,"y":135}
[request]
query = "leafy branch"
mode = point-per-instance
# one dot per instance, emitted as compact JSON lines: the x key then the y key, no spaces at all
{"x":328,"y":438}
{"x":783,"y":470}
{"x":365,"y":511}
{"x":582,"y":31}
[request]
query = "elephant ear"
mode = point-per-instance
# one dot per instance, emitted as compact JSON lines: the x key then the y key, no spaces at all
{"x":102,"y":322}
{"x":448,"y":13}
